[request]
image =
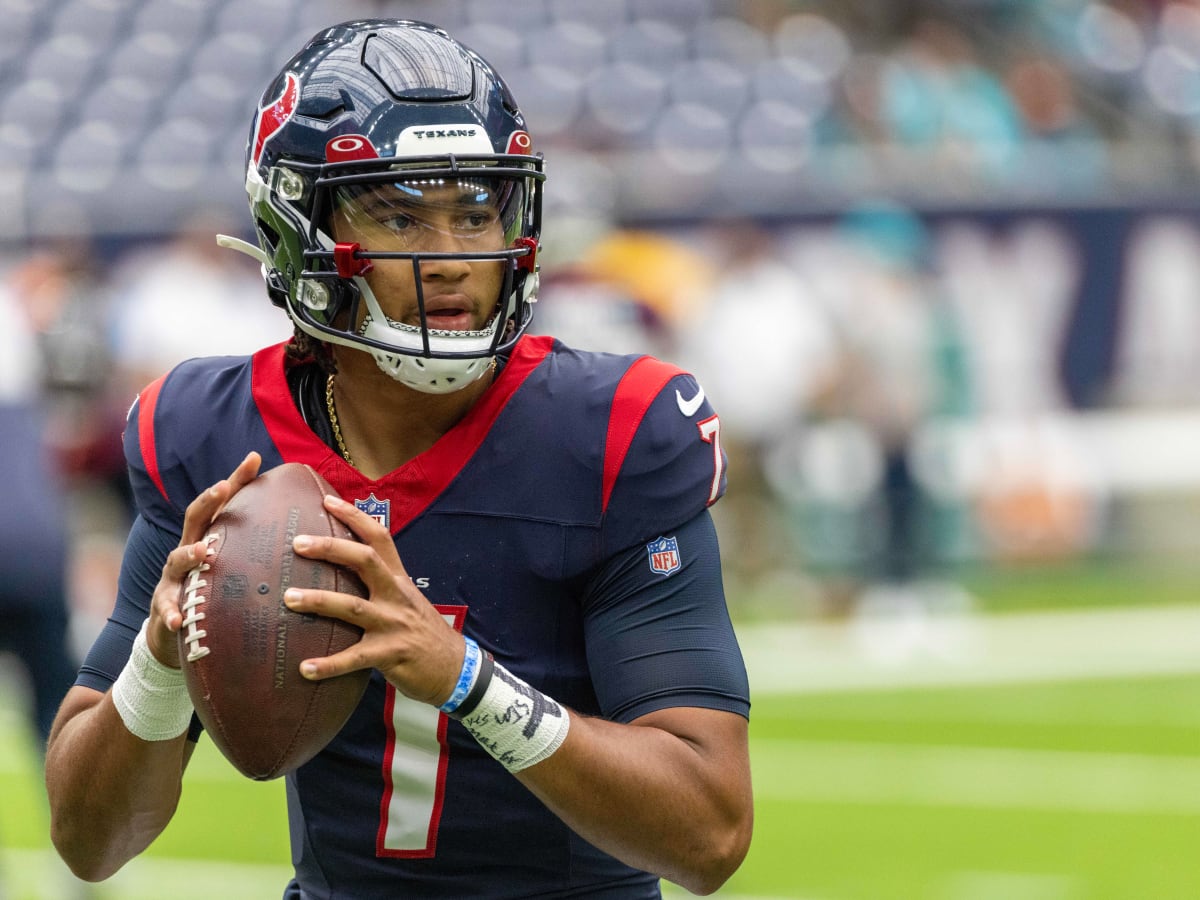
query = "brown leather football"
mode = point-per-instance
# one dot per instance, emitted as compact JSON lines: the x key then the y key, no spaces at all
{"x":241,"y":647}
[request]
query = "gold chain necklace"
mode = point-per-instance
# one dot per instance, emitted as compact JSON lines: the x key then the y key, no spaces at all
{"x":333,"y":416}
{"x":333,"y":420}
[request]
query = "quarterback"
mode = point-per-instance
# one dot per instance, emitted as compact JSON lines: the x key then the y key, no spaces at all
{"x":558,"y":705}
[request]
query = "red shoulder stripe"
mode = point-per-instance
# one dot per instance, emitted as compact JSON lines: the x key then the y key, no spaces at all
{"x":636,"y":391}
{"x":147,"y":400}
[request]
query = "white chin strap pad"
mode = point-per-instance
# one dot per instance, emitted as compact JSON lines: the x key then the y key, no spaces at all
{"x":431,"y":376}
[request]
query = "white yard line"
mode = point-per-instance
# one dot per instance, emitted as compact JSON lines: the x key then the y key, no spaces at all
{"x":901,"y":652}
{"x":37,"y":875}
{"x":913,"y":650}
{"x":977,"y":777}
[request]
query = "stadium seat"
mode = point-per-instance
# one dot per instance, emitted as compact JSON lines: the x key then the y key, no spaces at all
{"x":815,"y":40}
{"x":731,"y":40}
{"x":68,"y":60}
{"x":240,"y":56}
{"x":183,"y":17}
{"x":89,"y":157}
{"x":650,"y":43}
{"x":572,"y":46}
{"x":551,"y":98}
{"x":776,"y":136}
{"x":623,"y":100}
{"x":124,"y":101}
{"x":154,"y":56}
{"x":98,"y":21}
{"x":176,"y":155}
{"x":35,"y":107}
{"x":692,"y":138}
{"x":682,"y":13}
{"x":793,"y":81}
{"x":518,"y":16}
{"x":712,"y":83}
{"x":607,"y":15}
{"x":215,"y":98}
{"x":29,"y":114}
{"x":271,"y":20}
{"x":498,"y":44}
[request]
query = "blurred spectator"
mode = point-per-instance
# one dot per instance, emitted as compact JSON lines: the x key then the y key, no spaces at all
{"x":68,"y":308}
{"x":764,"y":343}
{"x":863,"y":511}
{"x":1062,"y":151}
{"x":171,"y":300}
{"x":939,"y":98}
{"x":181,"y":299}
{"x":1014,"y":290}
{"x":769,"y":354}
{"x":587,"y":310}
{"x":67,"y":316}
{"x":34,"y":611}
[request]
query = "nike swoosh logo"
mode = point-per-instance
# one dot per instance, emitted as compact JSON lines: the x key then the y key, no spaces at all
{"x":689,"y":407}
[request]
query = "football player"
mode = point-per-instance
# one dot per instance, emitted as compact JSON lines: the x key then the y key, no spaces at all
{"x":558,"y":705}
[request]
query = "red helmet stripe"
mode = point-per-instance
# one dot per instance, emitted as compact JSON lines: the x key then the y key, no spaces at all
{"x":273,"y":117}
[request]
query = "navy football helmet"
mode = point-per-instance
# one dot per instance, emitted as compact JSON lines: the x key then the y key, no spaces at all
{"x":390,"y":105}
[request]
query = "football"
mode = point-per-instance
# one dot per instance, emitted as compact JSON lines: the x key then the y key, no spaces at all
{"x":241,"y":647}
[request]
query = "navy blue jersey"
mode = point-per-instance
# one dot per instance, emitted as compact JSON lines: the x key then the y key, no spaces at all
{"x":562,"y":524}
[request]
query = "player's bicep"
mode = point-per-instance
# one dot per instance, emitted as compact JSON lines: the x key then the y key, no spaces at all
{"x":658,"y":631}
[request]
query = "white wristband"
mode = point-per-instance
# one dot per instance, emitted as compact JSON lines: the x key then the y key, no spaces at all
{"x":516,"y":724}
{"x":152,"y":699}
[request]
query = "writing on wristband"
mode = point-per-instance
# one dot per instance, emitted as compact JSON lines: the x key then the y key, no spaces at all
{"x":466,"y":678}
{"x":515,"y":723}
{"x":151,"y":699}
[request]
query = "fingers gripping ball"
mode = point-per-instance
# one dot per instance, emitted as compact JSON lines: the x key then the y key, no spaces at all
{"x":241,"y":647}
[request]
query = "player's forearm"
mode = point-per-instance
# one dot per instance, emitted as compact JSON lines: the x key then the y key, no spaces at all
{"x":654,"y":800}
{"x":111,"y":793}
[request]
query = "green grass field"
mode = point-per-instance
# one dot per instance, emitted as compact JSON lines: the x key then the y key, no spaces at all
{"x":1012,"y":772}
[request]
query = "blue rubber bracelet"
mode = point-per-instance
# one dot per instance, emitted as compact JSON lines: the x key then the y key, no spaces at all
{"x":466,"y":678}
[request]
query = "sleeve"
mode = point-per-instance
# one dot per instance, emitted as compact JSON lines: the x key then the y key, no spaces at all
{"x":186,"y":431}
{"x":663,"y":460}
{"x":146,"y":550}
{"x":141,"y":458}
{"x":658,"y":631}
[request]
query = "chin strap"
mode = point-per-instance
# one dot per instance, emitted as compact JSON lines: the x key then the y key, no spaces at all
{"x":276,"y":289}
{"x":251,"y":250}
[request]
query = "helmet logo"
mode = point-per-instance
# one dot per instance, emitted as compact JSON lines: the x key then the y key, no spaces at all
{"x":272,"y":118}
{"x":350,"y":147}
{"x":520,"y":142}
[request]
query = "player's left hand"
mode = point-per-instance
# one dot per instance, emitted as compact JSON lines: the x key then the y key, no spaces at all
{"x":404,"y":636}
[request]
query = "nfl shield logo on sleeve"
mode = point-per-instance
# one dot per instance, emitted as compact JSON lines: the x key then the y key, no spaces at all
{"x":664,"y":555}
{"x":379,"y":510}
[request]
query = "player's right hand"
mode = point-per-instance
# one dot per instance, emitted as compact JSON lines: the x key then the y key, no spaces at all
{"x":166,"y":614}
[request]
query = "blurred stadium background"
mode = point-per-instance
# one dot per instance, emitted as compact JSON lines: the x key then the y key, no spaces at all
{"x":936,"y":262}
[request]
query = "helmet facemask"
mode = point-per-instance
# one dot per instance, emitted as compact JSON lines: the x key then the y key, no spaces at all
{"x":422,"y":222}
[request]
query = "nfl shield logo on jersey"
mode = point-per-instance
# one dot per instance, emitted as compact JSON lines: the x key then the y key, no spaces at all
{"x":664,"y":555}
{"x":379,"y":510}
